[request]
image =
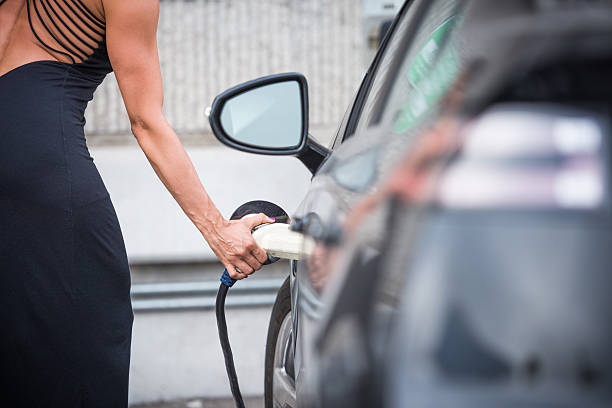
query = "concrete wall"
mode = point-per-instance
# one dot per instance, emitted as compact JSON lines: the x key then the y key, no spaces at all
{"x":154,"y":226}
{"x":207,"y":46}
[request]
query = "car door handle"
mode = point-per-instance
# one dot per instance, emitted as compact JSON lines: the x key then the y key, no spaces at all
{"x":298,"y":224}
{"x":311,"y":225}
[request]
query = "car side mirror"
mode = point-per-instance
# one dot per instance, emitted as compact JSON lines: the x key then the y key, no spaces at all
{"x":268,"y":115}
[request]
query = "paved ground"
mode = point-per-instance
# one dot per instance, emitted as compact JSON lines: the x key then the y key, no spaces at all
{"x":204,"y":403}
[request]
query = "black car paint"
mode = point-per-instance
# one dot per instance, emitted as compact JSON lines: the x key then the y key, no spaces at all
{"x":336,"y":350}
{"x":329,"y":373}
{"x":307,"y":301}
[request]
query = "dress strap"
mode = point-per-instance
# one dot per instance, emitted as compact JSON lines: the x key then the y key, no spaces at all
{"x":67,"y":28}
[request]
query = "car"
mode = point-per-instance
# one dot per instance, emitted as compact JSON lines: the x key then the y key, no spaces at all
{"x":460,"y":218}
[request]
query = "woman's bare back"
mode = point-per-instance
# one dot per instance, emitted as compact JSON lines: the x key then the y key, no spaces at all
{"x":49,"y":30}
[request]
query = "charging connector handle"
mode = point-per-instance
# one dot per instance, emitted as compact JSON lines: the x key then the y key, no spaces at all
{"x":227,"y":280}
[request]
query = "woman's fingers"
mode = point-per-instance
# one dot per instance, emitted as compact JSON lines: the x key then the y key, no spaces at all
{"x":252,"y":253}
{"x":246,"y":264}
{"x":243,"y":262}
{"x":232,"y":272}
{"x":252,"y":261}
{"x":256,"y":251}
{"x":243,"y":267}
{"x":237,"y":249}
{"x":259,"y":254}
{"x":255,"y":254}
{"x":255,"y":220}
{"x":236,"y":272}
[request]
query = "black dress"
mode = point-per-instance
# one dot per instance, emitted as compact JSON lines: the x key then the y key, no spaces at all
{"x":65,"y":312}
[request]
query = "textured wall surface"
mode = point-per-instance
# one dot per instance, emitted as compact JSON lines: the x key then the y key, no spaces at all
{"x":207,"y":46}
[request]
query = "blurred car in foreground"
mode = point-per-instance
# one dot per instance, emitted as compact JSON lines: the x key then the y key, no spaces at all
{"x":461,"y":219}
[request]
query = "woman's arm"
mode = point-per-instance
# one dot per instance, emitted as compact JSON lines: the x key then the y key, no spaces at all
{"x":131,"y":28}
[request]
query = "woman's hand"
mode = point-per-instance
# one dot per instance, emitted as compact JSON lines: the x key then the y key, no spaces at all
{"x":235,"y":247}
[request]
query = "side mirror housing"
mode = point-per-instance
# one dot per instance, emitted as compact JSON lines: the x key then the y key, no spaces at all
{"x":268,"y":115}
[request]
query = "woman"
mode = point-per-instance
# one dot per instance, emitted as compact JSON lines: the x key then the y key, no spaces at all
{"x":64,"y":281}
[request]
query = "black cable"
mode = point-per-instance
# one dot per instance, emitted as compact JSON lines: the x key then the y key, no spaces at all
{"x":252,"y":207}
{"x":225,"y":345}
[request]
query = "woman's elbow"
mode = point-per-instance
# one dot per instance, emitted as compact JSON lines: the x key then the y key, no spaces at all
{"x":144,"y":125}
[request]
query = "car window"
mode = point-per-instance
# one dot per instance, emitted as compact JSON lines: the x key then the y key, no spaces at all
{"x":426,"y":73}
{"x":426,"y":69}
{"x":385,"y":64}
{"x":339,"y":137}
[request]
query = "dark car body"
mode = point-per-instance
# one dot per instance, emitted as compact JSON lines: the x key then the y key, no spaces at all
{"x":431,"y":291}
{"x":461,"y":219}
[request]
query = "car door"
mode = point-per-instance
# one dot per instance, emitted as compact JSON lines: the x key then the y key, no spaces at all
{"x":363,"y":153}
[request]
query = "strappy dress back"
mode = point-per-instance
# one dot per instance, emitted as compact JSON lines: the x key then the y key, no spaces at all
{"x":68,"y":29}
{"x":64,"y":279}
